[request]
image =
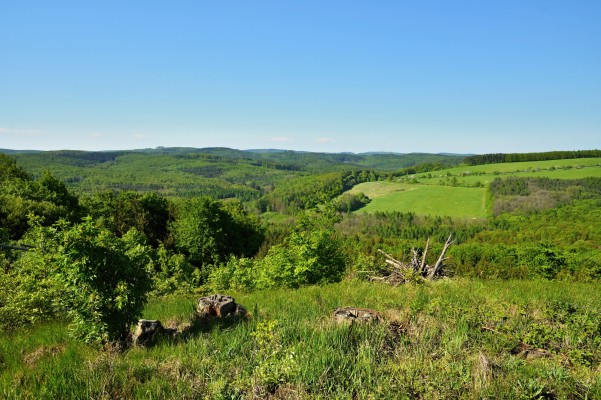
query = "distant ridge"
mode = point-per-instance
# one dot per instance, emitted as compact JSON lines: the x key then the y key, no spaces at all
{"x":381,"y":153}
{"x":266,"y":150}
{"x":171,"y":150}
{"x":9,"y":151}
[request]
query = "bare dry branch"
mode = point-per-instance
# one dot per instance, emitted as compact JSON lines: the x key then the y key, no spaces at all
{"x":398,"y":274}
{"x":441,"y":258}
{"x":422,"y":267}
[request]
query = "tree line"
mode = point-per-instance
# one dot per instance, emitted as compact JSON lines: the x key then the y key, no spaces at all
{"x":496,"y":158}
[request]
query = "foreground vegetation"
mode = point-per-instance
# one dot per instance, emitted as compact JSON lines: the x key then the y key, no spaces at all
{"x":519,"y":316}
{"x":448,"y":339}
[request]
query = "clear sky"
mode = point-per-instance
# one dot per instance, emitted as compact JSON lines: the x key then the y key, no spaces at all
{"x":406,"y":76}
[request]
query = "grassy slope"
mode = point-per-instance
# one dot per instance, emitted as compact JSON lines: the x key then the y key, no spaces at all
{"x":429,"y":197}
{"x":432,"y":345}
{"x":560,"y":169}
{"x":450,"y":201}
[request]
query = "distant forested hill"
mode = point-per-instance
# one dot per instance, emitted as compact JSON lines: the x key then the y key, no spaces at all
{"x":218,"y":172}
{"x":9,"y":151}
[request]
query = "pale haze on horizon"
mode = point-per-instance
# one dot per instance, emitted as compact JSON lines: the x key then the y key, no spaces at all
{"x":336,"y":76}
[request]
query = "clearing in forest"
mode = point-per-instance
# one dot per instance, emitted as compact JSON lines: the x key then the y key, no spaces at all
{"x":457,"y":202}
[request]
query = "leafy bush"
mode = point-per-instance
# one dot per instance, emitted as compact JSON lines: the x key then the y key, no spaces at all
{"x":106,"y":278}
{"x":172,"y":273}
{"x":84,"y":272}
{"x":209,"y":232}
{"x":548,"y":262}
{"x":349,"y":202}
{"x":306,"y":258}
{"x":31,"y":288}
{"x":236,"y":274}
{"x":310,"y":255}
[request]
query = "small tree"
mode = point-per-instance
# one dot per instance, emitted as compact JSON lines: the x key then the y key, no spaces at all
{"x":29,"y":283}
{"x":121,"y":211}
{"x":106,"y":280}
{"x":310,"y":255}
{"x":306,"y":258}
{"x":208,"y":231}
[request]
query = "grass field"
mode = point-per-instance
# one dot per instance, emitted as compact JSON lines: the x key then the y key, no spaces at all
{"x":459,"y":202}
{"x":448,"y":339}
{"x":458,"y":192}
{"x":559,"y":169}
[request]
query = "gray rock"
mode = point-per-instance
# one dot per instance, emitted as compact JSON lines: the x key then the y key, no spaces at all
{"x":353,"y":314}
{"x":148,"y":331}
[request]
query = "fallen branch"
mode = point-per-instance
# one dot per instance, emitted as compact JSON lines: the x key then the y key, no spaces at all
{"x":438,"y":264}
{"x":525,"y":348}
{"x":402,"y":272}
{"x":422,"y":267}
{"x":11,"y":247}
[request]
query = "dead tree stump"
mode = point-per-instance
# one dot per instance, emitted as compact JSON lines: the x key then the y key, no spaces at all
{"x":219,"y":305}
{"x":401,"y":272}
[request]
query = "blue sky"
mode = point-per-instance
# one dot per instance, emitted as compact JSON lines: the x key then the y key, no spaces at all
{"x":404,"y":76}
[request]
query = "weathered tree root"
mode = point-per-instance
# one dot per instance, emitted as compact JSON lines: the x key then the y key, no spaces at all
{"x":402,"y":272}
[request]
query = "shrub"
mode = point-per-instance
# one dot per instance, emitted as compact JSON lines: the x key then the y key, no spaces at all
{"x":209,"y":232}
{"x":306,"y":258}
{"x":106,"y":278}
{"x":31,"y":288}
{"x":83,"y":271}
{"x":310,"y":255}
{"x":172,"y":273}
{"x":349,"y":202}
{"x":236,"y":274}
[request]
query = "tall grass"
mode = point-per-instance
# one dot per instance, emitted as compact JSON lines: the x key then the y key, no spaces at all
{"x":448,"y":339}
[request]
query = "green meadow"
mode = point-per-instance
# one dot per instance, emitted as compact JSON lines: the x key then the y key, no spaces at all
{"x":555,"y":169}
{"x":459,"y":192}
{"x":459,"y":202}
{"x":455,"y":339}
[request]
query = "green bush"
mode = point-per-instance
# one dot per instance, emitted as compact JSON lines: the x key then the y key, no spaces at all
{"x":306,"y":258}
{"x":106,"y":279}
{"x":236,"y":274}
{"x":209,"y":232}
{"x":172,"y":273}
{"x":310,"y":255}
{"x":84,"y":272}
{"x":349,"y":202}
{"x":30,"y":285}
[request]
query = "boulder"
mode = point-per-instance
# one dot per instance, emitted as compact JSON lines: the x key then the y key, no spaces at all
{"x":148,"y":331}
{"x":353,"y":314}
{"x":219,"y":305}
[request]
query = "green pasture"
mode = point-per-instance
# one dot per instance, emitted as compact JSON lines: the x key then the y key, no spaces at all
{"x":457,"y":202}
{"x":558,"y":169}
